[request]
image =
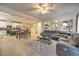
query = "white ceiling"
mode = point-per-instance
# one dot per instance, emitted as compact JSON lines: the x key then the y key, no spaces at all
{"x":60,"y":11}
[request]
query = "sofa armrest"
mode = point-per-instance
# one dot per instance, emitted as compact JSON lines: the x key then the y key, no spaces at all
{"x":65,"y":49}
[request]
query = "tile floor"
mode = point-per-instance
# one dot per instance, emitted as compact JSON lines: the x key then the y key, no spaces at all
{"x":10,"y":46}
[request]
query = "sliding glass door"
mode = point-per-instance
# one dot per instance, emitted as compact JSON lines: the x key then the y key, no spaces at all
{"x":78,"y":26}
{"x":77,"y":23}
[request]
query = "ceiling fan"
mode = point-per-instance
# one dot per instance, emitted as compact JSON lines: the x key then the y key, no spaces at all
{"x":43,"y":8}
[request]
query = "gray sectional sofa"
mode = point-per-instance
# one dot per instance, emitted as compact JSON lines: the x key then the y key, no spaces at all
{"x":66,"y":49}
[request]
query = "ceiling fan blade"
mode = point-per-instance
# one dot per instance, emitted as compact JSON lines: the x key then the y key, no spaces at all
{"x":31,"y":9}
{"x":52,"y":10}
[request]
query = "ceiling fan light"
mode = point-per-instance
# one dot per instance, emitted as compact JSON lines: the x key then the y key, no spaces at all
{"x":44,"y":11}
